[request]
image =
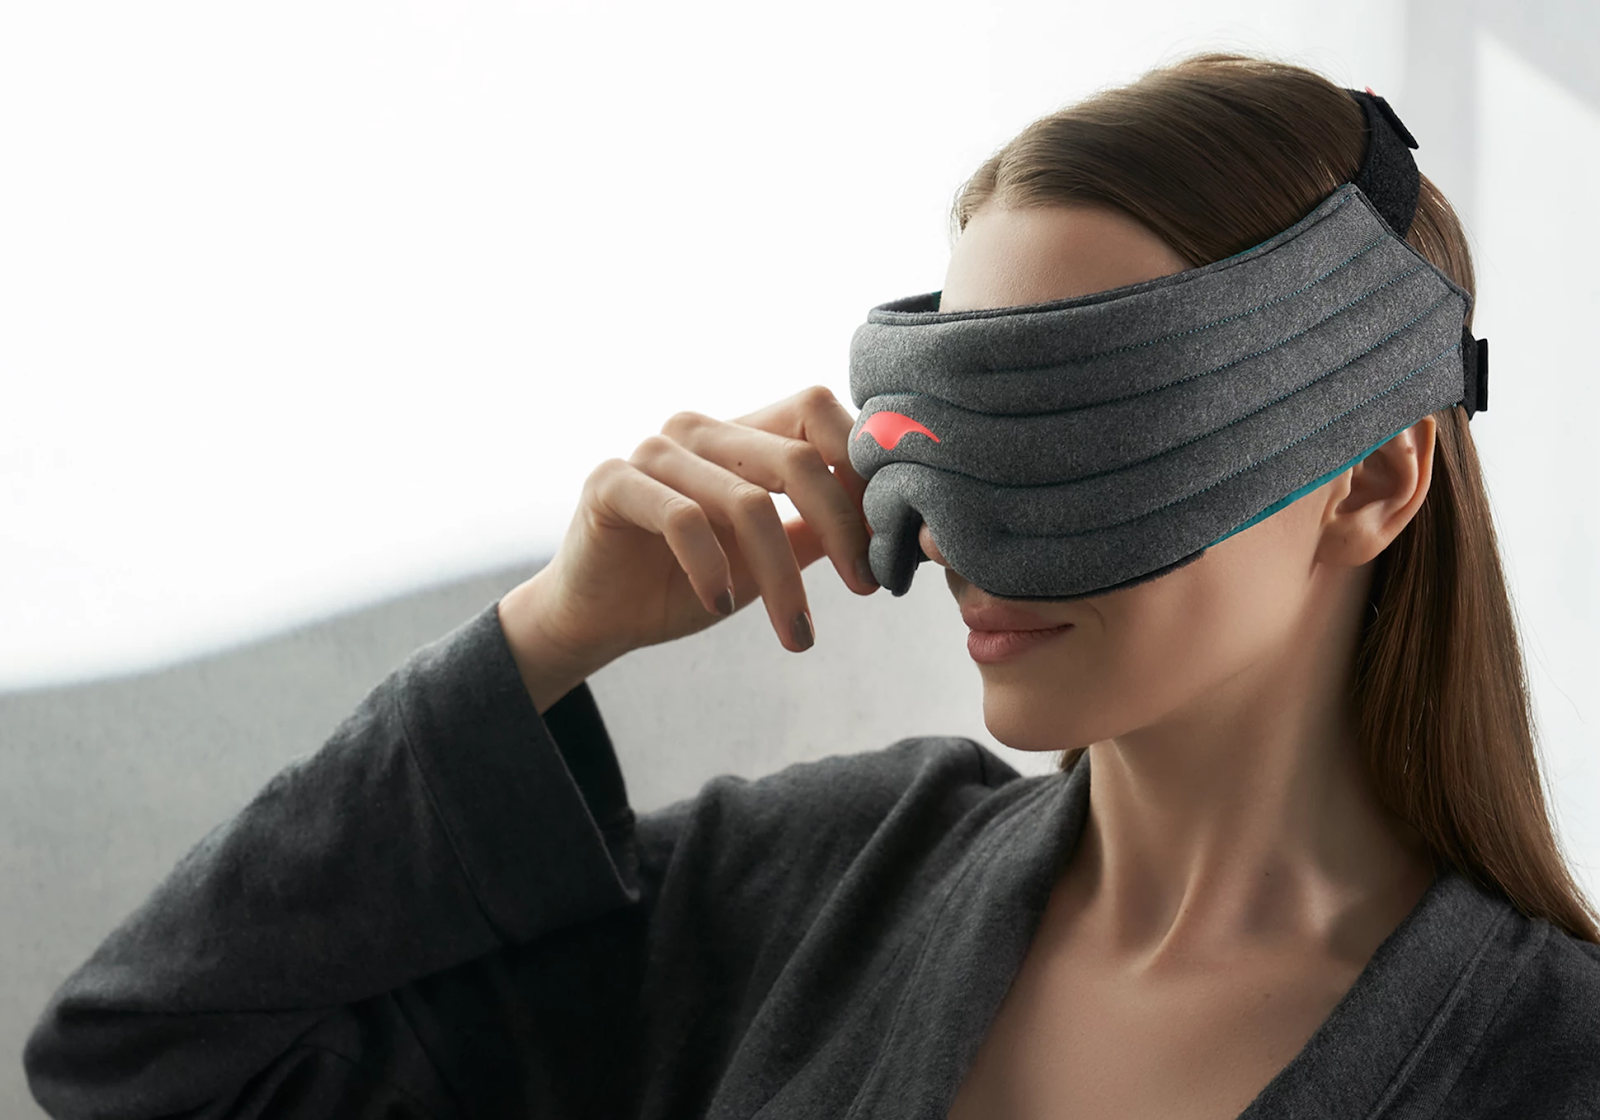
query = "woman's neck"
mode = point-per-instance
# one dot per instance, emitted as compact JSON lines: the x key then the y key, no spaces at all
{"x":1244,"y":823}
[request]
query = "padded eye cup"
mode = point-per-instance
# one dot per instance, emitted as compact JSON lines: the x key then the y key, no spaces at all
{"x":1064,"y":449}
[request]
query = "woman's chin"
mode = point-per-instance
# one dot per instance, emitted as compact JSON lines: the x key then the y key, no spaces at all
{"x":1024,"y":720}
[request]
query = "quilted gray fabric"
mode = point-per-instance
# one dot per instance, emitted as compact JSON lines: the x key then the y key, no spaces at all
{"x":1063,"y":449}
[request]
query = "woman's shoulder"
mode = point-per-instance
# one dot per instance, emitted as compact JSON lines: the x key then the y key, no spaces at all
{"x":1565,"y":977}
{"x":1561,"y":984}
{"x":900,"y":808}
{"x":853,"y":792}
{"x":1540,"y":1052}
{"x":917,"y":766}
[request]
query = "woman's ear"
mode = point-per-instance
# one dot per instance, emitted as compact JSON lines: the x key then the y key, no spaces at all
{"x":1375,"y":499}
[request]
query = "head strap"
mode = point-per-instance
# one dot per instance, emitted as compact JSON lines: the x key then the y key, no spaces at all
{"x":1388,"y":176}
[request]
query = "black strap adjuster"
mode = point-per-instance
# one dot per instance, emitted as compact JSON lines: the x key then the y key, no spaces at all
{"x":1388,"y":174}
{"x":1475,"y":372}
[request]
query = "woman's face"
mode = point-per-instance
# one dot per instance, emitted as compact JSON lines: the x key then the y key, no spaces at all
{"x":1201,"y":637}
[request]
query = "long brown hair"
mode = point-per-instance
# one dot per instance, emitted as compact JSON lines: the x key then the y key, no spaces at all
{"x":1216,"y":153}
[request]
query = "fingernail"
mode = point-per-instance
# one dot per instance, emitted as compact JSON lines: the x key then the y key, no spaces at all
{"x":864,"y":571}
{"x":803,"y":637}
{"x":725,"y":602}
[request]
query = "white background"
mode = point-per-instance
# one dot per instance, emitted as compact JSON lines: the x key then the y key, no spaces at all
{"x":306,"y":305}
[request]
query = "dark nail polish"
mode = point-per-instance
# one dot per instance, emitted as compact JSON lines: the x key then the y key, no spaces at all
{"x":803,"y":637}
{"x":725,"y":602}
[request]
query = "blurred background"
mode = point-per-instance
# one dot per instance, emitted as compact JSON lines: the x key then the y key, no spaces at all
{"x":314,"y":317}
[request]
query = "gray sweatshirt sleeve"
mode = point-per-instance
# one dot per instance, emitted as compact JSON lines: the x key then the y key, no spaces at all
{"x":437,"y":908}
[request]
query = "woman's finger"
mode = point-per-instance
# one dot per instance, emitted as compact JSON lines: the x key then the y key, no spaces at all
{"x":631,"y":496}
{"x":797,"y":468}
{"x":815,"y":415}
{"x":748,"y":508}
{"x":803,"y":541}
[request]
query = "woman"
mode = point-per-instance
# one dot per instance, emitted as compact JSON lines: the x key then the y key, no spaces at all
{"x":1312,"y":873}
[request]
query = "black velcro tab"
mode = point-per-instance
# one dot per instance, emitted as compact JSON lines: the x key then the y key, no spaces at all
{"x":1483,"y":374}
{"x":1388,"y":174}
{"x":1394,"y":120}
{"x":1474,"y":373}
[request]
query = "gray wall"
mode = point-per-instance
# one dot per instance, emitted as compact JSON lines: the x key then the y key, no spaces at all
{"x":104,"y":785}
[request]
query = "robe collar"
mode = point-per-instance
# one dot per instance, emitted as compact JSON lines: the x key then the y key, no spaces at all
{"x":1392,"y":1047}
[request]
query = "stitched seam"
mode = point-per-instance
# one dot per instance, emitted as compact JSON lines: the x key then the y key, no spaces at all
{"x":1249,"y":466}
{"x":1361,"y":252}
{"x":1204,"y":326}
{"x":1457,"y":993}
{"x":1189,"y":377}
{"x":1236,"y":420}
{"x":1492,"y":1016}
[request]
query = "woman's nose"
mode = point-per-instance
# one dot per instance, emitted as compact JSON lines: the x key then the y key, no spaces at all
{"x":925,"y":539}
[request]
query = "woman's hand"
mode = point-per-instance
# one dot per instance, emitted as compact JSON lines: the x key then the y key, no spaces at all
{"x":688,"y":520}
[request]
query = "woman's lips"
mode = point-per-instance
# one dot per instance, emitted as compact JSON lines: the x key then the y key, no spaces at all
{"x":999,"y":616}
{"x":1001,"y":631}
{"x":990,"y":646}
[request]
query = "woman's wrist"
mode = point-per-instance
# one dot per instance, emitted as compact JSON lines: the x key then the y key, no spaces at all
{"x":549,"y":666}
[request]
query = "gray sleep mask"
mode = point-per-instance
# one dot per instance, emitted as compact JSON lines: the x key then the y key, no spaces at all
{"x":1064,"y":449}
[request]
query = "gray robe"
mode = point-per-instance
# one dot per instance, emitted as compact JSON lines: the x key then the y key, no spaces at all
{"x":450,"y":911}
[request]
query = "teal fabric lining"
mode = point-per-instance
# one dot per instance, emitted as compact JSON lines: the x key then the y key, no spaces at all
{"x":1306,"y":489}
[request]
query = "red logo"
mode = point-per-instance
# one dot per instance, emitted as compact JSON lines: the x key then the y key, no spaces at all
{"x":888,"y":427}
